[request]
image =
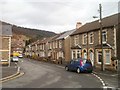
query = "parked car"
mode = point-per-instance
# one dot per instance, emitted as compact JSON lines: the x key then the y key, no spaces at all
{"x":80,"y":65}
{"x":20,"y":56}
{"x":15,"y":59}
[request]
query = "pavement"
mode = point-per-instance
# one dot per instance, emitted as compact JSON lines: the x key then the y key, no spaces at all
{"x":110,"y":78}
{"x":8,"y":70}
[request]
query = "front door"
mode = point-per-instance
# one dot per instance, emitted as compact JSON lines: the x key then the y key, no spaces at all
{"x":92,"y":58}
{"x":85,"y":55}
{"x":99,"y":59}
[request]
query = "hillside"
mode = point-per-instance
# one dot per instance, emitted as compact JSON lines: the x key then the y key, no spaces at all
{"x":23,"y":36}
{"x":32,"y":33}
{"x":28,"y":32}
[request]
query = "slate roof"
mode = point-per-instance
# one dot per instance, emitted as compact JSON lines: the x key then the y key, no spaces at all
{"x":67,"y":33}
{"x":44,"y":40}
{"x":56,"y":36}
{"x":95,"y":25}
{"x":5,"y":29}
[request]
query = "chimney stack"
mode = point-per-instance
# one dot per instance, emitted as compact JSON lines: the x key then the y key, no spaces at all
{"x":78,"y":25}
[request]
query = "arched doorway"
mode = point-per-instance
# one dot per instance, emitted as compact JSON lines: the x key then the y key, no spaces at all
{"x":85,"y":54}
{"x":91,"y":56}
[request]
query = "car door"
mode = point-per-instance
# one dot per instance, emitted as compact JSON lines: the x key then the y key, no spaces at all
{"x":75,"y":65}
{"x":71,"y":65}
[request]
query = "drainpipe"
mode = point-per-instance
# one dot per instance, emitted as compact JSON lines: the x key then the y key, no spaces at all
{"x":87,"y":45}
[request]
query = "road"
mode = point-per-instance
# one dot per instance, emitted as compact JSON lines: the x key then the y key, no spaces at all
{"x":46,"y":75}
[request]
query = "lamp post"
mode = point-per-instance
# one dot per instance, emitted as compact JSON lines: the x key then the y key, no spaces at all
{"x":102,"y":58}
{"x":100,"y":21}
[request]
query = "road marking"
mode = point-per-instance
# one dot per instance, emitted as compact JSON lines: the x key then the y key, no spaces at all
{"x":9,"y":76}
{"x":111,"y":88}
{"x":114,"y":75}
{"x":103,"y":83}
{"x":12,"y":77}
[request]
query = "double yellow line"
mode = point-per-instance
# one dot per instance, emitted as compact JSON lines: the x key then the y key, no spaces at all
{"x":11,"y":77}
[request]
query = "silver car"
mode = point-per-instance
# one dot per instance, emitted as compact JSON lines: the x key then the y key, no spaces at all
{"x":15,"y":59}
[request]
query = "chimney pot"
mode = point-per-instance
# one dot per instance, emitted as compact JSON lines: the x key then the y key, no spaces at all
{"x":78,"y":25}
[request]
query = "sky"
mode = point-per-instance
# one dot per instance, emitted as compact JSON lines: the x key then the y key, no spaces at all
{"x":54,"y":15}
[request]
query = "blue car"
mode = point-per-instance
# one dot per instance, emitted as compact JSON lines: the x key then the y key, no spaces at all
{"x":79,"y":65}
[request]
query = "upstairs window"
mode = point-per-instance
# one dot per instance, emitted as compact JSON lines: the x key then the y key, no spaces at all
{"x":84,"y":38}
{"x":76,"y":40}
{"x":91,"y":37}
{"x":53,"y":44}
{"x":56,"y":44}
{"x":104,"y":36}
{"x":60,"y":44}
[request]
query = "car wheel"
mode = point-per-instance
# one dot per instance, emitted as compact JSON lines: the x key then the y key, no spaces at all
{"x":78,"y":70}
{"x":90,"y":71}
{"x":66,"y":68}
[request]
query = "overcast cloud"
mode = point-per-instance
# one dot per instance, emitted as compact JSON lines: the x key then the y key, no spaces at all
{"x":54,"y":15}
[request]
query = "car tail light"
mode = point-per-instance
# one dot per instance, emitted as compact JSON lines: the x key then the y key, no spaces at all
{"x":81,"y":63}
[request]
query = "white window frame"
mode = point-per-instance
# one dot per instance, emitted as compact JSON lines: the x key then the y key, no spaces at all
{"x":60,"y":44}
{"x":110,"y":57}
{"x":56,"y":44}
{"x":76,"y":40}
{"x":84,"y":38}
{"x":73,"y":52}
{"x":103,"y":37}
{"x":91,"y":35}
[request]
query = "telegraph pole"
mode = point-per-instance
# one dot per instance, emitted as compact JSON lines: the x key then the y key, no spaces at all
{"x":102,"y":58}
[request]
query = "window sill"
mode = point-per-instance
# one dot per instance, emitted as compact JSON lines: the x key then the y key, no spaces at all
{"x":107,"y":63}
{"x":84,"y":44}
{"x":91,"y":43}
{"x":104,"y":42}
{"x":98,"y":62}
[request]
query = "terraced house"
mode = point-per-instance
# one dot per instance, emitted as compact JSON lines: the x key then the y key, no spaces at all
{"x":63,"y":49}
{"x":86,"y":42}
{"x":52,"y":46}
{"x":5,"y":43}
{"x":38,"y":49}
{"x":42,"y":48}
{"x":28,"y":51}
{"x":59,"y":47}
